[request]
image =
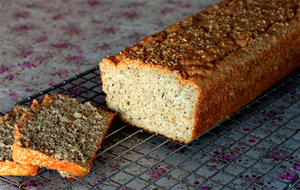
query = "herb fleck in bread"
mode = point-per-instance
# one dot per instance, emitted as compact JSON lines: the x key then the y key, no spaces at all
{"x":61,"y":133}
{"x":184,"y":80}
{"x":7,"y":132}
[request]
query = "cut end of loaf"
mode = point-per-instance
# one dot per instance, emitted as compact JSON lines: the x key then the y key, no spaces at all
{"x":149,"y":97}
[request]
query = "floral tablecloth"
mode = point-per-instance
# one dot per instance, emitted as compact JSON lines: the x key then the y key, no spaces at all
{"x":43,"y":43}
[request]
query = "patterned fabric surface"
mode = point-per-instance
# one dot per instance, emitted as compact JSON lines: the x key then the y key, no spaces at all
{"x":43,"y":43}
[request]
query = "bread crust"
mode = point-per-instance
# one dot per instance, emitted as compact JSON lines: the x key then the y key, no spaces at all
{"x":36,"y":158}
{"x":25,"y":156}
{"x":241,"y":83}
{"x":229,"y":83}
{"x":10,"y":167}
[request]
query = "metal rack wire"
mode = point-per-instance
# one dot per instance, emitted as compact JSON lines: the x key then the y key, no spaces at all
{"x":258,"y":147}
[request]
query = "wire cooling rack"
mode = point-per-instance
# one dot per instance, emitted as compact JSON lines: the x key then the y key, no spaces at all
{"x":255,"y":148}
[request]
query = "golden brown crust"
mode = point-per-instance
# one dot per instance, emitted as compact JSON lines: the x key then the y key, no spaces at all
{"x":246,"y":74}
{"x":36,"y":158}
{"x":194,"y":45}
{"x":13,"y":168}
{"x":25,"y":156}
{"x":253,"y":51}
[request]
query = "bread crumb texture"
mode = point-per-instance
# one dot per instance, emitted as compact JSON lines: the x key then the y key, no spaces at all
{"x":7,"y":131}
{"x":62,"y":134}
{"x":151,"y":97}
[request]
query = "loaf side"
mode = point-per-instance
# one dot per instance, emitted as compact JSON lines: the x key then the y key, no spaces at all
{"x":218,"y":60}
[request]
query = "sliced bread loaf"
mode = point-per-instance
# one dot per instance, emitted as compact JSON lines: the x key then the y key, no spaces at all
{"x":182,"y":81}
{"x":7,"y":132}
{"x":62,"y":134}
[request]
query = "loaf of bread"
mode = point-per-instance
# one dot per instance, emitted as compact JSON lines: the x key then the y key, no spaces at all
{"x":7,"y":132}
{"x":62,"y":134}
{"x":182,"y":81}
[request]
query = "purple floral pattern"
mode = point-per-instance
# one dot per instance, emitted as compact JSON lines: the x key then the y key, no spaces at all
{"x":182,"y":186}
{"x":163,"y":167}
{"x":217,"y":163}
{"x":144,"y":148}
{"x":272,"y":159}
{"x":261,"y":167}
{"x":137,"y":184}
{"x":50,"y":174}
{"x":270,"y":183}
{"x":228,"y":155}
{"x":283,"y":175}
{"x":65,"y":182}
{"x":290,"y":166}
{"x":171,"y":146}
{"x":194,"y":180}
{"x":108,"y":185}
{"x":147,"y":161}
{"x":239,"y":184}
{"x":135,"y":169}
{"x":151,"y":175}
{"x":120,"y":163}
{"x":287,"y":176}
{"x":206,"y":171}
{"x":93,"y":179}
{"x":239,"y":148}
{"x":178,"y":174}
{"x":106,"y":171}
{"x":201,"y":157}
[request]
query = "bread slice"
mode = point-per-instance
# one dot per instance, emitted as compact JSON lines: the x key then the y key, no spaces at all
{"x":182,"y":81}
{"x":7,"y":132}
{"x":62,"y":134}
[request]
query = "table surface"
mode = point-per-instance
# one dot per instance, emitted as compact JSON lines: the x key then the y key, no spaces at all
{"x":42,"y":44}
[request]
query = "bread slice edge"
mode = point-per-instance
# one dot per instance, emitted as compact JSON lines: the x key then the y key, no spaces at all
{"x":10,"y":167}
{"x":36,"y":158}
